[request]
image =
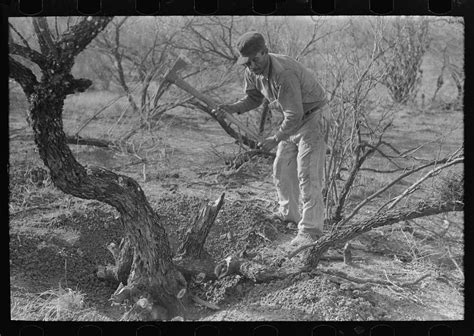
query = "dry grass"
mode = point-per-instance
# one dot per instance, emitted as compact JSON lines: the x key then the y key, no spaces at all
{"x":59,"y":304}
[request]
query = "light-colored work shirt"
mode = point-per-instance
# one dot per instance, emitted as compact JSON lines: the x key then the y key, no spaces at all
{"x":287,"y":84}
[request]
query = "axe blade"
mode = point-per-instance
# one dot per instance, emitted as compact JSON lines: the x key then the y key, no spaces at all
{"x":181,"y":63}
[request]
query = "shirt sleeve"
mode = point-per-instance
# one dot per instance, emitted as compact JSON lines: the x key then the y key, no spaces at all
{"x":291,"y":102}
{"x":253,"y":97}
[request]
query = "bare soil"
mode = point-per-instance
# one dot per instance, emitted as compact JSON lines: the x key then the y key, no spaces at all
{"x":58,"y":239}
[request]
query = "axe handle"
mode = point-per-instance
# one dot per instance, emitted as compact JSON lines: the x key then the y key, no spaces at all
{"x":211,"y":103}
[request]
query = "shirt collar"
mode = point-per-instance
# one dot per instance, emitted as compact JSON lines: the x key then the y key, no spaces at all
{"x":268,"y":71}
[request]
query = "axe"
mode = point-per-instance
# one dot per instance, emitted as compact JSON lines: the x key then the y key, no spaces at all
{"x":171,"y":76}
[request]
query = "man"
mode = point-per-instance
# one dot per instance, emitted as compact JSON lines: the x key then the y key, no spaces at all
{"x":300,"y":156}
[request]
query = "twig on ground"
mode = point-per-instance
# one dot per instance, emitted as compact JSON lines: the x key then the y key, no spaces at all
{"x":451,"y":257}
{"x":402,"y":292}
{"x":144,"y":161}
{"x":208,"y":184}
{"x":390,"y":282}
{"x":204,"y":303}
{"x":40,"y":207}
{"x":339,"y":258}
{"x":375,"y":281}
{"x":258,"y":233}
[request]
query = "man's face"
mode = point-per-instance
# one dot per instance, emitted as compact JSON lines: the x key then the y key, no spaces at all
{"x":257,"y":63}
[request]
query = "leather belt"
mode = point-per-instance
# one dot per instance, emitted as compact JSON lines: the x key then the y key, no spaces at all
{"x":307,"y":113}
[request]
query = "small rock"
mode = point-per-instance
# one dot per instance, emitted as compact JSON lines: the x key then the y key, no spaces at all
{"x":291,"y":226}
{"x":177,"y":318}
{"x":345,"y":286}
{"x":238,"y":288}
{"x":143,"y":303}
{"x":159,"y":313}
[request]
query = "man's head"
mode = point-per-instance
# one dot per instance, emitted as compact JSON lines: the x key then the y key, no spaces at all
{"x":253,"y":52}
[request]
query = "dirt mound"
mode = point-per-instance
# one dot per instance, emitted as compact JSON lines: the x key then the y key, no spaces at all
{"x":66,"y":250}
{"x":68,"y":247}
{"x":303,"y":297}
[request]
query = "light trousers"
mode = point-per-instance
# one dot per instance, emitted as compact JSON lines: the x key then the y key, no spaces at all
{"x":298,"y":172}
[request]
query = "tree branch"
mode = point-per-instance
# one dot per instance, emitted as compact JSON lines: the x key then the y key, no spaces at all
{"x":229,"y":130}
{"x":352,"y":175}
{"x":375,"y":281}
{"x":413,"y":187}
{"x":385,"y":188}
{"x":22,"y":38}
{"x":422,"y":209}
{"x":78,"y":140}
{"x":23,"y":76}
{"x":28,"y":53}
{"x":44,"y":37}
{"x":76,"y":39}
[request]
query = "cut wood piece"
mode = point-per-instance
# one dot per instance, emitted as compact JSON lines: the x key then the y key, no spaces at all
{"x":205,"y":303}
{"x":194,"y":268}
{"x":374,"y":281}
{"x":192,"y":259}
{"x":249,"y":269}
{"x":123,"y":257}
{"x":196,"y":235}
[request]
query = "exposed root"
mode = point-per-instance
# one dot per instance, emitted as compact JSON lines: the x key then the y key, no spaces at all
{"x":250,"y":270}
{"x":375,"y":281}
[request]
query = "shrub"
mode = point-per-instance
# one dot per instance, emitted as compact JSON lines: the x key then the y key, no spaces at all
{"x":409,"y":42}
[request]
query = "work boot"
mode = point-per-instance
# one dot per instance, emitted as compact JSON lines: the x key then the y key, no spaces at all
{"x":277,"y":217}
{"x":305,"y":237}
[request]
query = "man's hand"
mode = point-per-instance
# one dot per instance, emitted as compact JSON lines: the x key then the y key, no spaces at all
{"x":268,"y":144}
{"x":219,"y":111}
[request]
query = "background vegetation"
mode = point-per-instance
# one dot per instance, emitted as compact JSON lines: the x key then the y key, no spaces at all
{"x":396,"y":90}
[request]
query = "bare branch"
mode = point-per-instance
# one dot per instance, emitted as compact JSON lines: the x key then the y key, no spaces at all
{"x":23,"y":76}
{"x":28,"y":53}
{"x":385,"y":188}
{"x":43,"y":34}
{"x":375,"y":281}
{"x":96,"y":114}
{"x":422,"y":209}
{"x":359,"y":160}
{"x":415,"y":185}
{"x":56,"y":27}
{"x":25,"y":42}
{"x":77,"y":37}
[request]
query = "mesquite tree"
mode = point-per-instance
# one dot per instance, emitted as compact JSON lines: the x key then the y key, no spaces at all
{"x":403,"y":64}
{"x":152,"y":271}
{"x":136,"y":58}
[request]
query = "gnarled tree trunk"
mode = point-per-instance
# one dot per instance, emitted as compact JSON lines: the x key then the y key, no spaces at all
{"x":152,"y":272}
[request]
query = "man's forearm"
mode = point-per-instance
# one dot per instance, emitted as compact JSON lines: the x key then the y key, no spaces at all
{"x":251,"y":101}
{"x":290,"y":124}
